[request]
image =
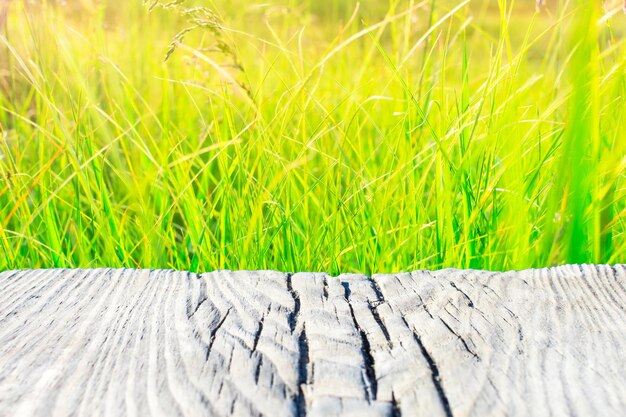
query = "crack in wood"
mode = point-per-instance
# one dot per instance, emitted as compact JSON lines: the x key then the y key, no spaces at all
{"x":380,"y":299}
{"x":396,"y":411}
{"x":369,"y":377}
{"x":381,"y":324}
{"x":303,"y":350}
{"x":214,"y":332}
{"x":434,"y":372}
{"x":470,"y":303}
{"x":293,"y":315}
{"x":257,"y":370}
{"x":201,"y":298}
{"x":427,"y":311}
{"x":303,"y":364}
{"x":461,"y":339}
{"x":379,"y":294}
{"x":423,"y":304}
{"x":257,"y":335}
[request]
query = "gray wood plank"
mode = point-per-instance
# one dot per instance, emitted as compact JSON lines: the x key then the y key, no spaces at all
{"x":445,"y":343}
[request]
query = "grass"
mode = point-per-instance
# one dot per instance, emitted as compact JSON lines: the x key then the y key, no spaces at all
{"x":306,"y":135}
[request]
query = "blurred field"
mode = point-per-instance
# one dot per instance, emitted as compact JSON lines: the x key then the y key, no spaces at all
{"x":312,"y":135}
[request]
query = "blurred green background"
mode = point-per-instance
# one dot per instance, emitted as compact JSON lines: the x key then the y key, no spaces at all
{"x":311,"y":135}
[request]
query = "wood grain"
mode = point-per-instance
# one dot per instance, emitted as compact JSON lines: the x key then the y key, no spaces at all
{"x":446,"y":343}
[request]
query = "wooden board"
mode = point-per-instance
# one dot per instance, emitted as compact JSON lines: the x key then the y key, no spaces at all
{"x":447,"y":343}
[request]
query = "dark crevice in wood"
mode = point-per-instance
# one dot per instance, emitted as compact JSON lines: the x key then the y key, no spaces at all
{"x":434,"y":372}
{"x":487,"y":287}
{"x":303,"y":364}
{"x":377,"y":290}
{"x":257,"y":335}
{"x":325,"y":289}
{"x":515,"y":316}
{"x":396,"y":411}
{"x":461,"y":339}
{"x":423,"y":304}
{"x":257,"y":371}
{"x":347,"y":291}
{"x":293,"y":316}
{"x":381,"y":324}
{"x":373,"y":305}
{"x":201,"y":299}
{"x":520,"y":338}
{"x":370,"y":382}
{"x":303,"y":350}
{"x":470,"y":303}
{"x":231,"y":353}
{"x":232,"y":405}
{"x":427,"y":311}
{"x":214,"y":332}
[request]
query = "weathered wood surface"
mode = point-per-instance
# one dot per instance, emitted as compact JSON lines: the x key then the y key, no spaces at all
{"x":462,"y":343}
